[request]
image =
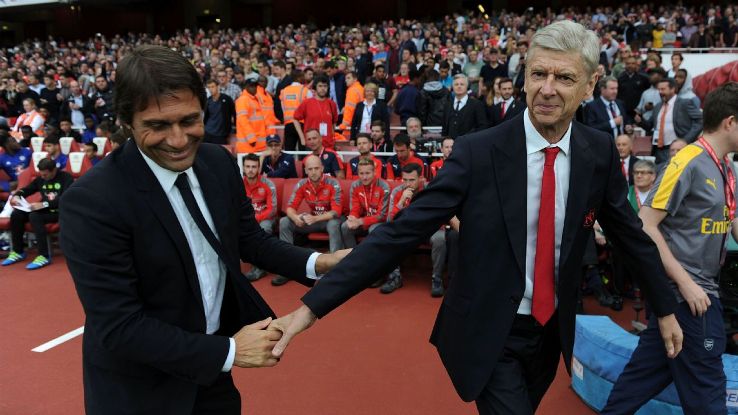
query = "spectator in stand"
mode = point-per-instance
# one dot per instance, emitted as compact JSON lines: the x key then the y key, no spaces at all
{"x":77,"y":106}
{"x":684,"y":87}
{"x":51,"y":99}
{"x":368,"y":111}
{"x":444,"y":75}
{"x":463,"y":114}
{"x":52,"y":147}
{"x":35,"y":85}
{"x":90,"y":150}
{"x":332,"y":164}
{"x":508,"y":107}
{"x":447,"y":144}
{"x":406,"y":99}
{"x":23,"y":93}
{"x":631,"y":85}
{"x":13,"y":160}
{"x":673,"y":118}
{"x":644,"y":177}
{"x":624,"y":145}
{"x":414,"y":131}
{"x":494,"y":68}
{"x":379,"y":78}
{"x":379,"y":143}
{"x":651,"y":96}
{"x":251,"y":124}
{"x":317,"y":113}
{"x":369,"y":202}
{"x":607,"y":113}
{"x":102,"y":100}
{"x":90,"y":129}
{"x":473,"y":70}
{"x":277,"y":163}
{"x":431,"y":103}
{"x":263,"y":195}
{"x":284,"y":79}
{"x":516,"y":63}
{"x":323,"y":197}
{"x":26,"y":135}
{"x":118,"y":138}
{"x":51,"y":182}
{"x":403,"y":156}
{"x":398,"y":81}
{"x":701,"y":38}
{"x":227,"y":87}
{"x":400,"y":198}
{"x":364,"y":147}
{"x":31,"y":118}
{"x":66,"y":130}
{"x":220,"y":115}
{"x":336,"y":84}
{"x":354,"y":95}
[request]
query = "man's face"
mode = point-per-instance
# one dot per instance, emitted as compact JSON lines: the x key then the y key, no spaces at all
{"x":446,"y":148}
{"x":631,"y":64}
{"x":65,"y":126}
{"x":460,"y":86}
{"x":27,"y":106}
{"x":676,"y":60}
{"x":275,"y":148}
{"x":52,"y":149}
{"x":90,"y":152}
{"x":101,"y":84}
{"x":313,"y":141}
{"x":250,"y":169}
{"x":402,"y":151}
{"x":410,"y":180}
{"x":666,"y":91}
{"x":443,"y":72}
{"x":377,"y":134}
{"x":506,"y":90}
{"x":47,"y":174}
{"x":363,"y":145}
{"x":321,"y":90}
{"x":556,"y":83}
{"x":213,"y":88}
{"x":414,"y":129}
{"x":49,"y":82}
{"x":379,"y":72}
{"x":655,"y":78}
{"x":170,"y":131}
{"x":675,"y":147}
{"x":643,"y":178}
{"x":680,"y":79}
{"x":366,"y":174}
{"x":314,"y":168}
{"x":624,"y":146}
{"x":74,"y":87}
{"x":22,"y":87}
{"x":350,"y":79}
{"x":222,"y":78}
{"x":610,"y":91}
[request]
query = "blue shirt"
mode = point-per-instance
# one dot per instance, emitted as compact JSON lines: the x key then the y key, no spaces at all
{"x":12,"y":165}
{"x":284,"y":167}
{"x":215,"y":125}
{"x":61,"y":161}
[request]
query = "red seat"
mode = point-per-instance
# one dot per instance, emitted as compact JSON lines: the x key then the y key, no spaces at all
{"x":85,"y":164}
{"x":103,"y":145}
{"x":68,"y":145}
{"x":299,"y":169}
{"x":4,"y":224}
{"x":4,"y":178}
{"x":279,"y":185}
{"x":642,"y":146}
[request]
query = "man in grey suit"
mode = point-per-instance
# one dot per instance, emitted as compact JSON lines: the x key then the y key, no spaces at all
{"x":673,"y":118}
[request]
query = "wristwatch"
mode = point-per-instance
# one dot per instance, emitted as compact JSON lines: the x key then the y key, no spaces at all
{"x":45,"y":204}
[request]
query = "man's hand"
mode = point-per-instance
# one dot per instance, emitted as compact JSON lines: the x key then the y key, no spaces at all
{"x":291,"y":325}
{"x":695,"y":296}
{"x":672,"y":335}
{"x":254,"y":345}
{"x":326,"y":262}
{"x":310,"y":219}
{"x":638,"y":119}
{"x":37,"y":206}
{"x":14,"y":201}
{"x":618,"y":120}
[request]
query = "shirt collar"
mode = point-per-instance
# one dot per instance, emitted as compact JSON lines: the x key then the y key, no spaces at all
{"x":672,"y":100}
{"x":462,"y":100}
{"x":534,"y":141}
{"x":167,"y":177}
{"x":607,"y":103}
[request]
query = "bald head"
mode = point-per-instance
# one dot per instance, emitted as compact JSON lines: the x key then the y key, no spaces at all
{"x":624,"y":145}
{"x":313,"y":167}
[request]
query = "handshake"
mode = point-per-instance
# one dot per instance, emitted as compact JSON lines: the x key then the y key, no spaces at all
{"x":262,"y":344}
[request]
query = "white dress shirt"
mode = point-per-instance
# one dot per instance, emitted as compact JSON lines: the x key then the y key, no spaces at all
{"x":669,"y":133}
{"x":626,"y":166}
{"x":615,"y":128}
{"x":534,"y":144}
{"x":211,"y":271}
{"x":366,"y":117}
{"x":460,"y":103}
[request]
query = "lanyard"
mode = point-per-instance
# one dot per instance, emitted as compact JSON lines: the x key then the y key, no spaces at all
{"x":367,"y":196}
{"x":728,"y":177}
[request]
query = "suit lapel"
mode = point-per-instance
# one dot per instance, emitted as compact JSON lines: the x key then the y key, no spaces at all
{"x":157,"y":200}
{"x":510,"y":161}
{"x":580,"y":175}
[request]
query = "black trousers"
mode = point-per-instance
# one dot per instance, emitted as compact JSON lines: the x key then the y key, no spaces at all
{"x":525,"y":370}
{"x":292,"y":139}
{"x":38,"y":220}
{"x":221,"y":397}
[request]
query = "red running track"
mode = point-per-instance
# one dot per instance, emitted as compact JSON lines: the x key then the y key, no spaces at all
{"x":371,"y":356}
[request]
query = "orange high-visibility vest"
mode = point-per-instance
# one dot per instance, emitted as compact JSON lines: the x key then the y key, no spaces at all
{"x":354,"y":95}
{"x":267,"y":107}
{"x":251,"y":127}
{"x":291,"y":97}
{"x":27,"y":118}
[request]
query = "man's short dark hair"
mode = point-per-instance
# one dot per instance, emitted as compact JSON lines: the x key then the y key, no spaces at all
{"x":678,"y":54}
{"x":402,"y":140}
{"x":329,"y":64}
{"x":120,"y":137}
{"x":378,"y":123}
{"x":670,"y":81}
{"x":447,"y":138}
{"x":46,"y":165}
{"x":657,"y":70}
{"x":93,"y":145}
{"x":505,"y":80}
{"x":211,"y":81}
{"x":250,"y":157}
{"x":363,"y":135}
{"x":720,"y":104}
{"x":65,"y":119}
{"x":140,"y":78}
{"x":413,"y":167}
{"x":321,"y":79}
{"x":51,"y":140}
{"x":353,"y":73}
{"x":281,"y":64}
{"x":444,"y":65}
{"x":26,"y":128}
{"x":413,"y":74}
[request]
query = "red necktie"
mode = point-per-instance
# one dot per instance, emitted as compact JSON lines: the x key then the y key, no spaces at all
{"x":502,"y":111}
{"x":543,"y":273}
{"x":622,"y":168}
{"x":660,"y":141}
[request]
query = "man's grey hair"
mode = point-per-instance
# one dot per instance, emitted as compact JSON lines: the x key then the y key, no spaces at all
{"x":462,"y":76}
{"x":413,"y":119}
{"x":570,"y":37}
{"x":603,"y":82}
{"x":646,"y":165}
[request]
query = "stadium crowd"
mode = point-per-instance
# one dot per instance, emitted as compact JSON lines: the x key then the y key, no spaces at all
{"x":393,"y":91}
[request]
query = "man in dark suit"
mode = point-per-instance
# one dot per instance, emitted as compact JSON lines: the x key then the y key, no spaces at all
{"x":336,"y":84}
{"x":153,"y":236}
{"x":626,"y":159}
{"x":509,"y":107}
{"x":607,"y":113}
{"x":462,"y":114}
{"x":672,"y":118}
{"x":527,"y":194}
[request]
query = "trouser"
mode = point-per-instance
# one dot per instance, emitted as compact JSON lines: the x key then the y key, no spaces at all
{"x":525,"y":369}
{"x":216,"y":139}
{"x":697,"y":372}
{"x":267,"y":225}
{"x":452,"y":253}
{"x":287,"y":230}
{"x":221,"y":397}
{"x":348,"y":236}
{"x":438,"y":252}
{"x":292,"y":138}
{"x":38,"y":220}
{"x":661,"y":154}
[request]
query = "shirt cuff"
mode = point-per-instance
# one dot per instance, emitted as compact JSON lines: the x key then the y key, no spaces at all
{"x":231,"y":356}
{"x":310,"y":267}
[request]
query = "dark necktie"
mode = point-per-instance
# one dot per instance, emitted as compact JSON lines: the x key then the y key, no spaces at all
{"x":543,"y":272}
{"x":614,"y":115}
{"x":502,"y":110}
{"x":458,"y":104}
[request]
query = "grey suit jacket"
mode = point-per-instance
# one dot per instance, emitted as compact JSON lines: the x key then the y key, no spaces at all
{"x":687,"y":119}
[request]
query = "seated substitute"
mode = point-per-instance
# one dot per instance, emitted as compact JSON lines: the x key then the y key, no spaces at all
{"x":278,"y":163}
{"x":51,"y":183}
{"x":369,"y":200}
{"x":404,"y":156}
{"x":51,"y":146}
{"x":13,"y":160}
{"x":91,"y":152}
{"x":323,"y":196}
{"x":263,"y":195}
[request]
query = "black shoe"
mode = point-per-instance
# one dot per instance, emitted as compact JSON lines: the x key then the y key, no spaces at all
{"x":617,"y":303}
{"x":393,"y":283}
{"x":436,"y":287}
{"x":279,"y":280}
{"x":377,"y":283}
{"x":255,"y":274}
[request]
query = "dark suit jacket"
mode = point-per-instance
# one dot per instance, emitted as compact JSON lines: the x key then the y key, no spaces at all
{"x":597,"y":116}
{"x":632,"y":162}
{"x":471,"y":118}
{"x":484,"y":184}
{"x":518,"y":106}
{"x":144,"y":348}
{"x":687,"y":119}
{"x":340,"y":82}
{"x":379,"y":112}
{"x":87,"y":107}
